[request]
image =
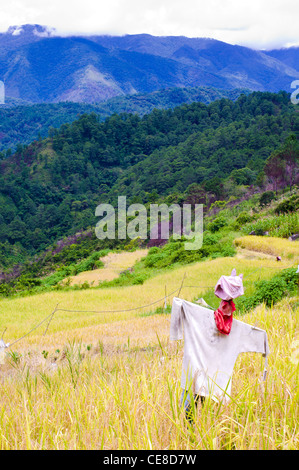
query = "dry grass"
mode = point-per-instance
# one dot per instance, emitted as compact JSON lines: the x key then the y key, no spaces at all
{"x":123,"y":393}
{"x":288,"y":250}
{"x":19,"y":315}
{"x":112,"y":380}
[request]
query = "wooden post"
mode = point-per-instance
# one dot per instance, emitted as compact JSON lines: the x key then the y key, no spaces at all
{"x":51,"y":318}
{"x":165,"y":302}
{"x":182,"y":285}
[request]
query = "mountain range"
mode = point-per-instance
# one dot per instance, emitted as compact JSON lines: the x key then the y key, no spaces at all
{"x":37,"y":65}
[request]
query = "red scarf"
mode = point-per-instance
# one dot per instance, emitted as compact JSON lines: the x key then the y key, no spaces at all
{"x":224,"y":316}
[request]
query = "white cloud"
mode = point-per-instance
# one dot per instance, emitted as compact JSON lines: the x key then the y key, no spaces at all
{"x":254,"y":23}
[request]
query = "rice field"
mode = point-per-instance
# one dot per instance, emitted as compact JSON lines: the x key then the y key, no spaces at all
{"x":114,"y":264}
{"x":288,"y":250}
{"x":108,"y":378}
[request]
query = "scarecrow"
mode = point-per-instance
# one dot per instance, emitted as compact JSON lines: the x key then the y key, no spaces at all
{"x":212,"y":342}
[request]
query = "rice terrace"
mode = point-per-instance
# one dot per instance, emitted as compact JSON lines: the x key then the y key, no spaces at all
{"x":164,"y":334}
{"x":71,"y":388}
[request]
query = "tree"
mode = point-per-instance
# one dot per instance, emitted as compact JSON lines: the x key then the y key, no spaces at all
{"x":243,"y":176}
{"x":275,"y":169}
{"x":290,"y":153}
{"x":195,"y":194}
{"x":214,"y":186}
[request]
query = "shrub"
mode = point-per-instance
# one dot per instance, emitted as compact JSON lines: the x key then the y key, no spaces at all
{"x":211,"y":238}
{"x":90,"y":263}
{"x":289,"y":205}
{"x":266,"y":198}
{"x":217,"y":224}
{"x":154,"y":259}
{"x":227,"y":249}
{"x":214,"y":245}
{"x":243,"y":218}
{"x":270,"y":291}
{"x":27,"y":282}
{"x":218,"y":204}
{"x":5,"y":290}
{"x":139,"y":279}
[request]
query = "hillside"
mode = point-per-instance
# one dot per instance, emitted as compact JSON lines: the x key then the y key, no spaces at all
{"x":73,"y":376}
{"x":251,"y":228}
{"x":38,"y":65}
{"x":50,"y":189}
{"x":22,"y":123}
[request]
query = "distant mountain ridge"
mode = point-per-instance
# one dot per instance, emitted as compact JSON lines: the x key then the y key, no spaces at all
{"x":39,"y":66}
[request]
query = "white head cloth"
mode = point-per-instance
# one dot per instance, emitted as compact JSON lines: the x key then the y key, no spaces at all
{"x":230,"y":287}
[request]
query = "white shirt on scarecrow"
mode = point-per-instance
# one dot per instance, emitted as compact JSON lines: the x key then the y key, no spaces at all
{"x":209,"y":355}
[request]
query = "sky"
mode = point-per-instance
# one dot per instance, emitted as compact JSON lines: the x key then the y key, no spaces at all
{"x":259,"y":24}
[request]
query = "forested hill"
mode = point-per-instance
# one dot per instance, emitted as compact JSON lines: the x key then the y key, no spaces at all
{"x":22,"y":123}
{"x":50,"y":188}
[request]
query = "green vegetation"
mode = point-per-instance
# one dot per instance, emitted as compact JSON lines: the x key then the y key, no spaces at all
{"x":223,"y":155}
{"x":197,"y":152}
{"x":172,"y":255}
{"x":283,"y":225}
{"x":270,"y":291}
{"x":30,"y":282}
{"x":77,"y":254}
{"x":22,"y":123}
{"x":288,"y":205}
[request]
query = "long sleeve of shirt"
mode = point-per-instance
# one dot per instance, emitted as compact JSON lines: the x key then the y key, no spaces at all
{"x":209,"y":356}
